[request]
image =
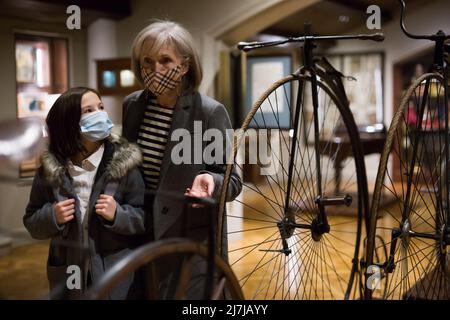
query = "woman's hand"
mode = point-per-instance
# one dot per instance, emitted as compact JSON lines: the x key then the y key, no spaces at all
{"x":106,"y":207}
{"x":64,"y":211}
{"x":202,"y":187}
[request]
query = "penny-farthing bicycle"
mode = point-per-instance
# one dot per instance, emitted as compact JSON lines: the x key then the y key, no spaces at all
{"x":414,"y":170}
{"x":298,"y":235}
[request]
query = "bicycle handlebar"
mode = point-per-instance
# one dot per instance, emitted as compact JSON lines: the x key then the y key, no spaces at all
{"x":247,"y":46}
{"x":433,"y":37}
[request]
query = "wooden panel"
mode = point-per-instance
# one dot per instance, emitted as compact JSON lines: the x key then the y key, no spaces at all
{"x":60,"y":65}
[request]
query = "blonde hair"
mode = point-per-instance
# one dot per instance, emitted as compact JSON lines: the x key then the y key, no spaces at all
{"x":160,"y":33}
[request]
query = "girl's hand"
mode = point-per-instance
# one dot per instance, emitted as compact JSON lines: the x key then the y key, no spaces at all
{"x":64,"y":211}
{"x":106,"y":207}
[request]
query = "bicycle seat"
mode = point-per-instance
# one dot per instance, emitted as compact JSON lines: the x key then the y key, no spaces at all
{"x":20,"y":139}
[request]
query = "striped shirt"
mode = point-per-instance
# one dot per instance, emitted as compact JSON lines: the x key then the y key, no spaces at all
{"x":152,"y":139}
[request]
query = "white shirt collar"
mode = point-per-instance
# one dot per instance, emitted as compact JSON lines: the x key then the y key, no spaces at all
{"x":91,"y":163}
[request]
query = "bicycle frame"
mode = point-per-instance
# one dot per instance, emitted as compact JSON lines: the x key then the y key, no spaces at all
{"x":321,"y":224}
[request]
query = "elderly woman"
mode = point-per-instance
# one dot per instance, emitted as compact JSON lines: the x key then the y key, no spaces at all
{"x":165,"y":62}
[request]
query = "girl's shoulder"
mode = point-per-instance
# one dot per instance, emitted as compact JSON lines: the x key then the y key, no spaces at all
{"x":126,"y":156}
{"x":51,"y":169}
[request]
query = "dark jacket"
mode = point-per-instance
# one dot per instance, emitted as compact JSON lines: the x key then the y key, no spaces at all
{"x":175,"y":178}
{"x":94,"y":244}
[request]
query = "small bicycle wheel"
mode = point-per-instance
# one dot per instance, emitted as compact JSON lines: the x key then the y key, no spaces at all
{"x":410,"y":203}
{"x":153,"y":258}
{"x":277,"y":247}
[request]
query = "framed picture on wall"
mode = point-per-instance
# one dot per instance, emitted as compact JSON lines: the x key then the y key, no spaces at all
{"x":363,"y":85}
{"x":261,"y":73}
{"x":35,"y":104}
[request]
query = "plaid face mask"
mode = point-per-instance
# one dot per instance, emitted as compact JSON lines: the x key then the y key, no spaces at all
{"x":158,"y":82}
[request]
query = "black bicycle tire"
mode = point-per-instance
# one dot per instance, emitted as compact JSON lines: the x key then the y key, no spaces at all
{"x":152,"y":251}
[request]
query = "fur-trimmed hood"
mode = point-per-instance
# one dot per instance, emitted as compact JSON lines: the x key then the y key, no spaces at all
{"x":126,"y":157}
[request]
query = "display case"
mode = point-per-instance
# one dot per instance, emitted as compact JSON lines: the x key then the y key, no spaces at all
{"x":42,"y":74}
{"x":114,"y":77}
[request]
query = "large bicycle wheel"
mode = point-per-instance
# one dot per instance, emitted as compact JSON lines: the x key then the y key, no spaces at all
{"x":412,"y":172}
{"x":191,"y":255}
{"x":277,"y":246}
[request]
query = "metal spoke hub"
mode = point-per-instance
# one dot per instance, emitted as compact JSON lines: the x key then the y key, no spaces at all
{"x":318,"y":229}
{"x":406,"y":229}
{"x":287,"y":225}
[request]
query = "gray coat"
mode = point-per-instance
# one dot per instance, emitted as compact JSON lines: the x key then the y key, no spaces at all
{"x":165,"y":212}
{"x":94,"y":244}
{"x":190,"y":107}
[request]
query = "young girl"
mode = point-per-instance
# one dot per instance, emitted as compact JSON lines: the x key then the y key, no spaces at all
{"x":87,"y":197}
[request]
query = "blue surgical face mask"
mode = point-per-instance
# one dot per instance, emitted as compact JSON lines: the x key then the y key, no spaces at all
{"x":95,"y":126}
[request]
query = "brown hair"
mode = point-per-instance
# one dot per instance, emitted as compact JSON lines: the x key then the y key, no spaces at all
{"x":63,"y":124}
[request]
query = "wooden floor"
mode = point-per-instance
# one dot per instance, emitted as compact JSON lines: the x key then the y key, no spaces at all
{"x":320,"y":269}
{"x":265,"y":273}
{"x":23,"y":272}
